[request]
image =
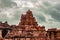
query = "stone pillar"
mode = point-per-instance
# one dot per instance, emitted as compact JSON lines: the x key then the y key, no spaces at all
{"x":52,"y":35}
{"x":0,"y":33}
{"x":48,"y":36}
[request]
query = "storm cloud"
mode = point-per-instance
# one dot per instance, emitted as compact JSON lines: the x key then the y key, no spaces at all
{"x":46,"y":12}
{"x":7,"y":3}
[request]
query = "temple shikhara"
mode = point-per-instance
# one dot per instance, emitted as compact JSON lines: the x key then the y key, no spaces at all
{"x":27,"y":29}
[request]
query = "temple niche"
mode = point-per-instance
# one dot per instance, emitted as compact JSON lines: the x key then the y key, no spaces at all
{"x":27,"y":29}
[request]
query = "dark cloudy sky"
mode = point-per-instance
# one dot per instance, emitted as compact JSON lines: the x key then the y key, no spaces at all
{"x":47,"y":12}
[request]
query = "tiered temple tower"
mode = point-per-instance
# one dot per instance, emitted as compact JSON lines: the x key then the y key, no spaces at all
{"x":28,"y":19}
{"x":27,"y":29}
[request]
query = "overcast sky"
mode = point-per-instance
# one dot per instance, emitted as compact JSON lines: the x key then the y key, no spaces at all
{"x":46,"y":12}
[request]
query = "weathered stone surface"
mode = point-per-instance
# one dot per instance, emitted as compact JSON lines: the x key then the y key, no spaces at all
{"x":28,"y":29}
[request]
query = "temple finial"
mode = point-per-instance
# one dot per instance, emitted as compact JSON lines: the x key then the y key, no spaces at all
{"x":29,"y":11}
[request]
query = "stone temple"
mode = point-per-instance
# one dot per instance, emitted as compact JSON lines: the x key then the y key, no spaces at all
{"x":27,"y":29}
